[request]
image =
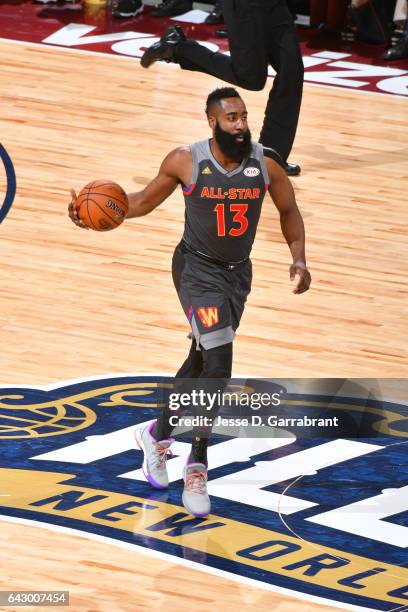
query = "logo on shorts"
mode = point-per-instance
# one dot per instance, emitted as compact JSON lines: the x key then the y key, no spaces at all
{"x":208,"y":316}
{"x":251,"y":171}
{"x":206,"y":170}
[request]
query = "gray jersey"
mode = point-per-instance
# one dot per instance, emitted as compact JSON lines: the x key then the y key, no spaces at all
{"x":223,"y":206}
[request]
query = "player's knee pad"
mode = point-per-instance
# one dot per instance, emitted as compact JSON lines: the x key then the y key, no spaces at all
{"x":217,"y":362}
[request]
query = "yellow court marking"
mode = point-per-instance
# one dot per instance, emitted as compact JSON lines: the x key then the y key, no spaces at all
{"x":223,"y":537}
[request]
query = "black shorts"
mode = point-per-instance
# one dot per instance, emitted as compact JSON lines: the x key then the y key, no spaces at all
{"x":212,"y":296}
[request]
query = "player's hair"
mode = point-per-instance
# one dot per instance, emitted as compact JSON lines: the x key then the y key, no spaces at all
{"x":219,"y":94}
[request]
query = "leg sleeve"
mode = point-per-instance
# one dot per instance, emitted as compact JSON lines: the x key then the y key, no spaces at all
{"x":214,"y":378}
{"x":184,"y":382}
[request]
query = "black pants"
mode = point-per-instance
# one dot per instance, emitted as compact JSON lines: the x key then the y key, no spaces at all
{"x":261,"y":32}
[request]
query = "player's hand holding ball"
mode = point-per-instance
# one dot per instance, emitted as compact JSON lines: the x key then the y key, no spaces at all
{"x":101,"y":205}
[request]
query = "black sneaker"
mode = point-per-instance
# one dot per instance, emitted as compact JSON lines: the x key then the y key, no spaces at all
{"x":222,"y":33}
{"x":290,"y":169}
{"x":128,"y":8}
{"x":215,"y":17}
{"x":170,"y":8}
{"x":399,"y":51}
{"x":164,"y":48}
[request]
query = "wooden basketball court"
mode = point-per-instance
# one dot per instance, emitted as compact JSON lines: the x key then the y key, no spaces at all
{"x":79,"y":304}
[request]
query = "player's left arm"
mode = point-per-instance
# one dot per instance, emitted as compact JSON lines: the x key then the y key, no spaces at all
{"x":281,"y":191}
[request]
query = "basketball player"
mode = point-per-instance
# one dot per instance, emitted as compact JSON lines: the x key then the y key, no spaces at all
{"x":224,"y":180}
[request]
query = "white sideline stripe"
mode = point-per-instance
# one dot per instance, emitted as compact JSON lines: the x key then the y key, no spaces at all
{"x":83,"y":379}
{"x":137,"y":59}
{"x":190,"y":564}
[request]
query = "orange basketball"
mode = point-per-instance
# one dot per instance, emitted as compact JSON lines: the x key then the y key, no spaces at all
{"x":102,"y":205}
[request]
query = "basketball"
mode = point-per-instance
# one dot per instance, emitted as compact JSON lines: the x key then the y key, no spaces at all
{"x":102,"y":205}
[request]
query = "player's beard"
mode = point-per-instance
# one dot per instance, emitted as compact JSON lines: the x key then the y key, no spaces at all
{"x":234,"y":150}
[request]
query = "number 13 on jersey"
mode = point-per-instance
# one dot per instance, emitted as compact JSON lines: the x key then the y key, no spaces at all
{"x":239,"y":218}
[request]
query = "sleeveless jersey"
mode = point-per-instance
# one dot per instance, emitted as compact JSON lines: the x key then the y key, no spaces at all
{"x":223,"y":206}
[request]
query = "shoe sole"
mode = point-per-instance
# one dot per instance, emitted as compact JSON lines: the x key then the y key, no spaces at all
{"x":197,"y":514}
{"x":149,"y":478}
{"x":144,"y":62}
{"x":126,"y":15}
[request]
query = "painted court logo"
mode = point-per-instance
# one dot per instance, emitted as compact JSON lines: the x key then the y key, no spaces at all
{"x":9,"y":180}
{"x":323,"y":518}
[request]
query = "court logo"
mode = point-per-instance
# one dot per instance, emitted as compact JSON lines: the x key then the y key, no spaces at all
{"x":7,"y":199}
{"x":319,"y":518}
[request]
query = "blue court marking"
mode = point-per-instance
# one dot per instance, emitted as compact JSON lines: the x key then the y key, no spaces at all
{"x":114,"y":406}
{"x":11,"y":183}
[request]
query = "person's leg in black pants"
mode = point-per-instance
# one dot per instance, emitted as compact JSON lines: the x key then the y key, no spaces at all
{"x":247,"y":66}
{"x":283,"y":107}
{"x":260,"y":33}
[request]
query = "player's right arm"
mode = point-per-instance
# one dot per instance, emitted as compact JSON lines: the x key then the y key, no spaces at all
{"x":176,"y":168}
{"x":173,"y":171}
